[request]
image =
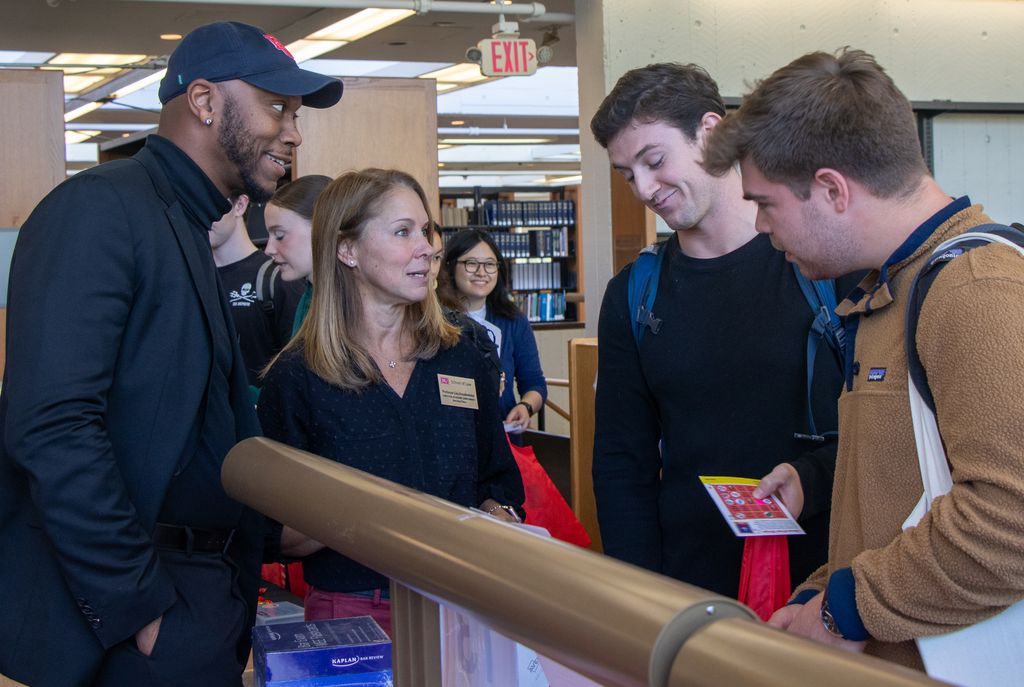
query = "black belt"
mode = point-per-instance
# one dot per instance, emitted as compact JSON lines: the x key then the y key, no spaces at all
{"x":192,"y":539}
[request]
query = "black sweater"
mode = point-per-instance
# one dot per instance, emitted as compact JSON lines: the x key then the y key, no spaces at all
{"x":724,"y":385}
{"x":458,"y":454}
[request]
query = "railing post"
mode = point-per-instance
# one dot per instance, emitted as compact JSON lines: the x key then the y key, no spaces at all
{"x":416,"y":625}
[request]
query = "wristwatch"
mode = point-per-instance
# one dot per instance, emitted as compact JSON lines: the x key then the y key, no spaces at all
{"x":828,"y":620}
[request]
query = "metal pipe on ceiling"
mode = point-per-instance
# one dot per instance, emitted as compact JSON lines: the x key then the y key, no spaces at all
{"x":525,"y":11}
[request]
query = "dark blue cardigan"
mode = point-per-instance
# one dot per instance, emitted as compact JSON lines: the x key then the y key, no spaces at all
{"x":519,"y":359}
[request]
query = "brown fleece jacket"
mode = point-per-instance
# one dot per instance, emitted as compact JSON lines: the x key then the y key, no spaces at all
{"x":964,"y":561}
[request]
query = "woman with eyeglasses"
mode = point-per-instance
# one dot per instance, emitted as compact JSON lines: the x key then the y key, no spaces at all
{"x":379,"y":380}
{"x":477,"y":280}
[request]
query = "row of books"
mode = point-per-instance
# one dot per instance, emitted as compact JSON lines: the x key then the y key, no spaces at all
{"x":535,"y":243}
{"x":529,"y":213}
{"x":536,"y":275}
{"x":545,"y":306}
{"x":452,"y":216}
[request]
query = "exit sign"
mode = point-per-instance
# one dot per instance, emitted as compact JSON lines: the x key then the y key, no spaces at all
{"x":507,"y":56}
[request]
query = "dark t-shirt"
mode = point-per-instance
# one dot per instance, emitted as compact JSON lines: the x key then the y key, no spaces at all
{"x":262,"y":331}
{"x":723,"y":387}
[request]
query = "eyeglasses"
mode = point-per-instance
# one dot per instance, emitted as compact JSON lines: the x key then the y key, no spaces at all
{"x":473,"y":266}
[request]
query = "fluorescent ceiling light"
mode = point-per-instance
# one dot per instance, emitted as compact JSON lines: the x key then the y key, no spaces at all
{"x":139,"y":85}
{"x":573,"y":179}
{"x":338,"y":34}
{"x":76,"y":83}
{"x":306,"y":49}
{"x":79,"y":136}
{"x":98,"y":59}
{"x":113,"y":126}
{"x":507,"y":131}
{"x":494,"y":141}
{"x":334,"y":67}
{"x":83,"y":110}
{"x":170,"y":36}
{"x":360,"y":25}
{"x":462,"y":73}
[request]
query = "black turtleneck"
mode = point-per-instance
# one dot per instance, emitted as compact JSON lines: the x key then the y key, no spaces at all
{"x":198,"y":484}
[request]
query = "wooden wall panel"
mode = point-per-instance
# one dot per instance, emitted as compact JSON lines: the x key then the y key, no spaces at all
{"x":632,"y":224}
{"x":582,"y":376}
{"x":378,"y":123}
{"x":31,"y":141}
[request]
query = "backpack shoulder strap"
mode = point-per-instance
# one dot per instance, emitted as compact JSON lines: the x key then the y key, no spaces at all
{"x":944,"y":253}
{"x":821,"y":297}
{"x":265,"y":286}
{"x":643,"y":288}
{"x":479,"y":335}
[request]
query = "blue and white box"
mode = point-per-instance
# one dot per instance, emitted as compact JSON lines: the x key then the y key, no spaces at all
{"x":345,"y":652}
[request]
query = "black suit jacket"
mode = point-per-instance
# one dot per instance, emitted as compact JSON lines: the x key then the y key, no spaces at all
{"x":109,"y":356}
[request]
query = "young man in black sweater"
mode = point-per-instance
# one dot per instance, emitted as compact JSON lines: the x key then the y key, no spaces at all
{"x":262,"y":304}
{"x":720,"y":389}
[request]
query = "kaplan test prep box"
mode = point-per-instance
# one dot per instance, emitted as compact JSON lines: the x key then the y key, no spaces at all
{"x":349,"y":652}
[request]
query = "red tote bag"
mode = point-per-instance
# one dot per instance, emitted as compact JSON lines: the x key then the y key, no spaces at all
{"x":764,"y":574}
{"x":544,"y":504}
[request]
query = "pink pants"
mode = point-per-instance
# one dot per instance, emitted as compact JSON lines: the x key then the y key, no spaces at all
{"x":321,"y":605}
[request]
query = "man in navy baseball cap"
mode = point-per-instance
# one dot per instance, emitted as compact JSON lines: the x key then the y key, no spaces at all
{"x":147,"y":570}
{"x":231,"y":97}
{"x":231,"y":50}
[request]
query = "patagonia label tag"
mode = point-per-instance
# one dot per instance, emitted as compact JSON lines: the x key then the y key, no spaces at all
{"x":876,"y":374}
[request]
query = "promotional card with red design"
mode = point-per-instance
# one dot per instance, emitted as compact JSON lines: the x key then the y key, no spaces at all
{"x":747,"y":516}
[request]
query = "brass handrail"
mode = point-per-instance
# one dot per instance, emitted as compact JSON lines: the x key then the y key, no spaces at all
{"x":557,"y":408}
{"x":612,"y":622}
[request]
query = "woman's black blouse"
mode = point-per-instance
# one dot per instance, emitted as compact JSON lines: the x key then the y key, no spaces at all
{"x":458,"y":454}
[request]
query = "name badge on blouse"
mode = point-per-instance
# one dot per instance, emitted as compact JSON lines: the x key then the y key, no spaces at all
{"x":458,"y":392}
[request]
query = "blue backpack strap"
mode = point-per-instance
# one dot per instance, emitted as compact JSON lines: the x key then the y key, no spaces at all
{"x":643,"y":288}
{"x":826,"y":326}
{"x":923,"y":281}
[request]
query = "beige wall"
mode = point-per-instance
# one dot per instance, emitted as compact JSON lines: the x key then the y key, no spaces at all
{"x":966,"y":50}
{"x":962,"y":50}
{"x":553,"y":345}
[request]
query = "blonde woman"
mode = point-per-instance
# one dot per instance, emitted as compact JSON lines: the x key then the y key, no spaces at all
{"x":363,"y":381}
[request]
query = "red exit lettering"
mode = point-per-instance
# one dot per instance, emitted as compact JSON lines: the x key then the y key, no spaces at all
{"x":510,"y":56}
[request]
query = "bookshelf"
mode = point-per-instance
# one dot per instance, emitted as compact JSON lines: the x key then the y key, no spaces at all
{"x":537,"y":233}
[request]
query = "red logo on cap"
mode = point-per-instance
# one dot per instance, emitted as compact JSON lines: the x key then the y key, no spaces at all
{"x":277,"y":44}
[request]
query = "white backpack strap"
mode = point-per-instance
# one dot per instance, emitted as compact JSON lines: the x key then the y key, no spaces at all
{"x":931,"y":455}
{"x":975,"y":235}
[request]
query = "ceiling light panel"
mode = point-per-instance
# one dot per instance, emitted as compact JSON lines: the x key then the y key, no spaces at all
{"x":79,"y":136}
{"x":493,"y":141}
{"x":83,"y":110}
{"x":76,"y":83}
{"x":462,"y":73}
{"x":361,"y":24}
{"x":306,"y":48}
{"x":134,"y":86}
{"x":98,"y":59}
